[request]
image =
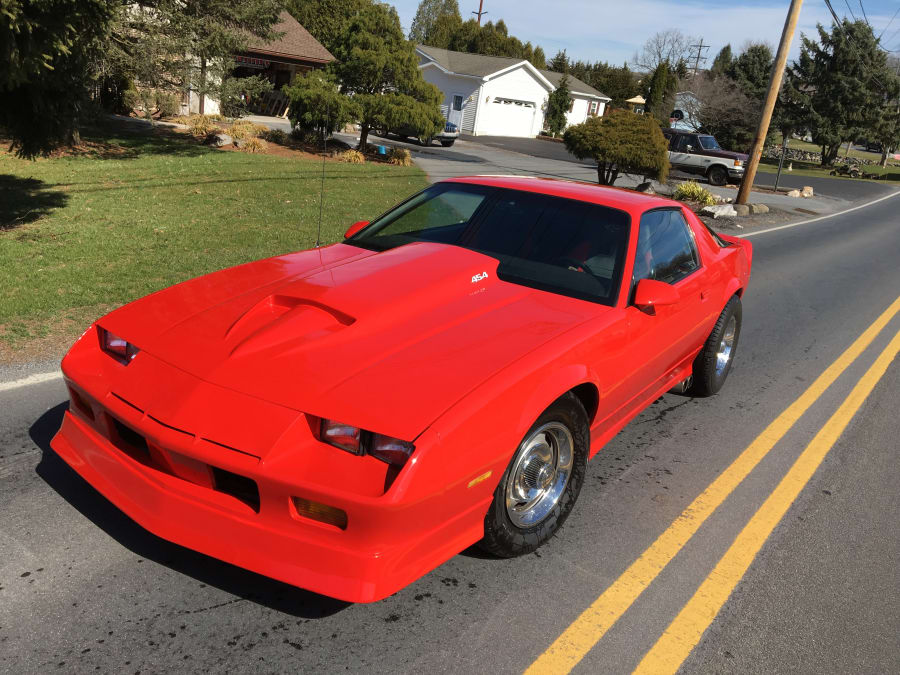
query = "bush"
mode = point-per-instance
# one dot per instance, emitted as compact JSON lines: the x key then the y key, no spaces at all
{"x":276,"y":136}
{"x":692,"y":191}
{"x":400,"y":157}
{"x":167,"y":103}
{"x":621,"y":142}
{"x":253,"y":145}
{"x":131,"y":99}
{"x":352,"y":157}
{"x":317,"y":104}
{"x":306,"y":137}
{"x":202,"y":127}
{"x":244,"y":130}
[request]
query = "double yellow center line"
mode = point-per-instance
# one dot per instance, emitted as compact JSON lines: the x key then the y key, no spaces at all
{"x":685,"y":631}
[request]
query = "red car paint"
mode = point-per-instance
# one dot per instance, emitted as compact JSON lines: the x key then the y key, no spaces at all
{"x":236,"y":367}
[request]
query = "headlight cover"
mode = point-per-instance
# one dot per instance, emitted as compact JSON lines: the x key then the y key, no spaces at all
{"x":118,"y":348}
{"x":361,"y":442}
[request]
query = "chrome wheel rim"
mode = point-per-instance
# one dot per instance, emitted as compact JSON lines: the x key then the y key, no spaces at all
{"x":540,"y":474}
{"x":726,"y":346}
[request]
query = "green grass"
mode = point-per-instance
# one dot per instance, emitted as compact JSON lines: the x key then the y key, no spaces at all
{"x":797,"y":144}
{"x":82,"y":234}
{"x":890,"y":174}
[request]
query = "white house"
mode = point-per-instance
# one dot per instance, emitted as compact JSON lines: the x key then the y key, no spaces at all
{"x":500,"y":96}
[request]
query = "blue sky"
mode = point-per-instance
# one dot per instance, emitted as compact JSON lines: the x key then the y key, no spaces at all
{"x":612,"y":30}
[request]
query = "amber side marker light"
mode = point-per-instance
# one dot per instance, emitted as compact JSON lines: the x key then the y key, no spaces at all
{"x":330,"y":515}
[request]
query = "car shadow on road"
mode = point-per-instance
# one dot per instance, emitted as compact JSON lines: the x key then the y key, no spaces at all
{"x":224,"y":576}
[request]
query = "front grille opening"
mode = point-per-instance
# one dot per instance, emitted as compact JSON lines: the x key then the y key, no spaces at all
{"x":130,"y":442}
{"x":80,"y":404}
{"x":239,"y":487}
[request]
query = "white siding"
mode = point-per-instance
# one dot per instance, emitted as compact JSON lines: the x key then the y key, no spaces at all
{"x":454,"y":84}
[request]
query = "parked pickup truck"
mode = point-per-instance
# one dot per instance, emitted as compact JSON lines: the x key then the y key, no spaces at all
{"x":700,"y":153}
{"x":447,"y":137}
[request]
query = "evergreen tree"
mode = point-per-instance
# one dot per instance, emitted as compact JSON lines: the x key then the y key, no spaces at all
{"x":559,"y":63}
{"x":841,"y":83}
{"x":377,"y":66}
{"x":45,"y":81}
{"x":752,"y":69}
{"x":557,"y":106}
{"x":661,"y":92}
{"x":317,"y":103}
{"x":621,"y":142}
{"x":722,"y":63}
{"x":427,"y":15}
{"x":325,"y":19}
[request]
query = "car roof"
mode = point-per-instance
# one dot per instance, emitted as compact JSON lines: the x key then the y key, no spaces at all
{"x":614,"y":197}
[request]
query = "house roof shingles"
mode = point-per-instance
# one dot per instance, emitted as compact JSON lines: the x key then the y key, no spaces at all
{"x":480,"y":65}
{"x":295,"y":43}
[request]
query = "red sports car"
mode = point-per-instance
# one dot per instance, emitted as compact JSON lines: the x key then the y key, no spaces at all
{"x":347,"y":418}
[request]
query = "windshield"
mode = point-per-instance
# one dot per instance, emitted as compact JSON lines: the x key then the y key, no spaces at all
{"x":559,"y":245}
{"x":709,"y":143}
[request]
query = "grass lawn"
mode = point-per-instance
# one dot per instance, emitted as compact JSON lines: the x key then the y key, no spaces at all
{"x":890,"y":173}
{"x":80,"y":235}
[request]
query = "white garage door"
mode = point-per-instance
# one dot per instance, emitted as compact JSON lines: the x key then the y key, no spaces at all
{"x":507,"y":117}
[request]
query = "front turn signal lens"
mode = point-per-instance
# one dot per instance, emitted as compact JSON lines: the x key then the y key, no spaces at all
{"x":323,"y":513}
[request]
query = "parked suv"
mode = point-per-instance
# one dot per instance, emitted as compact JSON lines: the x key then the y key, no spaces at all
{"x":700,"y":153}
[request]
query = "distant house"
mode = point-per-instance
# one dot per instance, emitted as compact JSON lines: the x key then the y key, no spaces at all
{"x":683,"y":116}
{"x":500,"y":96}
{"x":295,"y":51}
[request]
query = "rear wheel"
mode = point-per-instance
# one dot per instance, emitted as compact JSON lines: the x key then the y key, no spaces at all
{"x":713,"y":363}
{"x":541,"y":483}
{"x":717,"y":175}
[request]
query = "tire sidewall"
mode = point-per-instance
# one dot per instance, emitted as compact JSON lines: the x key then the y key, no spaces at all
{"x":505,"y":539}
{"x":706,"y":380}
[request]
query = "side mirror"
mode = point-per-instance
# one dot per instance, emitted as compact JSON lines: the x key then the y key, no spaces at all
{"x":355,"y":227}
{"x":650,"y":294}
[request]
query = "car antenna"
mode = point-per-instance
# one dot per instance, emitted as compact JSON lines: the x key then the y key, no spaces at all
{"x":322,"y":189}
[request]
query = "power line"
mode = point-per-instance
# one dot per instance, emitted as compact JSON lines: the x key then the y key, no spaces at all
{"x":889,"y":25}
{"x":849,"y":9}
{"x":840,"y":26}
{"x":700,"y":49}
{"x":863,"y":9}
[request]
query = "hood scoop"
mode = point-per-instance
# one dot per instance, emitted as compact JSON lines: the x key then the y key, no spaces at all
{"x":278,"y":320}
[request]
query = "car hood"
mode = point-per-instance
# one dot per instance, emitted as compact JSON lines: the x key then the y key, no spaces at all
{"x":385,"y":341}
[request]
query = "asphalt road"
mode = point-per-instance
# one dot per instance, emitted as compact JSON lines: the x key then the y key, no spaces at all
{"x":84,"y":589}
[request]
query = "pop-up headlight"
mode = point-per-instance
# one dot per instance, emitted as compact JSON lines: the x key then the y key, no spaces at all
{"x":120,"y":349}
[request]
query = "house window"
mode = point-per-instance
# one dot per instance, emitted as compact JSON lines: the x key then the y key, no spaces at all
{"x":593,"y":108}
{"x":457,"y":102}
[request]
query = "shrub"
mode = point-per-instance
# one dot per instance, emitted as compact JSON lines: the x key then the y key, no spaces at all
{"x":167,"y":103}
{"x":201,"y":127}
{"x":352,"y":157}
{"x":692,"y":191}
{"x":400,"y":157}
{"x":276,"y":136}
{"x":253,"y":145}
{"x":242,"y":130}
{"x":236,"y":93}
{"x":306,"y":136}
{"x":317,"y":104}
{"x":131,"y":99}
{"x":621,"y":142}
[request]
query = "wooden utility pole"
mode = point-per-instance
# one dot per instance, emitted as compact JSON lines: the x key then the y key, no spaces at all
{"x":480,"y":12}
{"x":771,"y":96}
{"x":700,"y":49}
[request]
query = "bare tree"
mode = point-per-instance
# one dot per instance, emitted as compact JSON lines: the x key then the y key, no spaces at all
{"x":670,"y":45}
{"x":716,"y":105}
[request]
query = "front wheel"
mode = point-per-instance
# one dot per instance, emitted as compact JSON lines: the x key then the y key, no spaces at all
{"x":447,"y":144}
{"x":717,"y":176}
{"x":714,"y":361}
{"x":541,"y":483}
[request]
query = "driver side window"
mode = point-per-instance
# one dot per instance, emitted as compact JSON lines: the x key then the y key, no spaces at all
{"x":666,"y":250}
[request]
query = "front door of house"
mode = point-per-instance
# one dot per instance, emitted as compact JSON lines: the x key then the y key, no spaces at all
{"x":454,"y":116}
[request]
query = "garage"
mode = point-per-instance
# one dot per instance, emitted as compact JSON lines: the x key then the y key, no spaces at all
{"x":508,"y":117}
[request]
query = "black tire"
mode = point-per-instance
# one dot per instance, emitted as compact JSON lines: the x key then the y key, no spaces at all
{"x":447,"y":144}
{"x":709,"y":376}
{"x":505,"y":539}
{"x":717,"y":175}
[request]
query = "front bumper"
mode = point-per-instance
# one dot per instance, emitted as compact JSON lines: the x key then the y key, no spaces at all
{"x":736,"y":172}
{"x":172,"y":484}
